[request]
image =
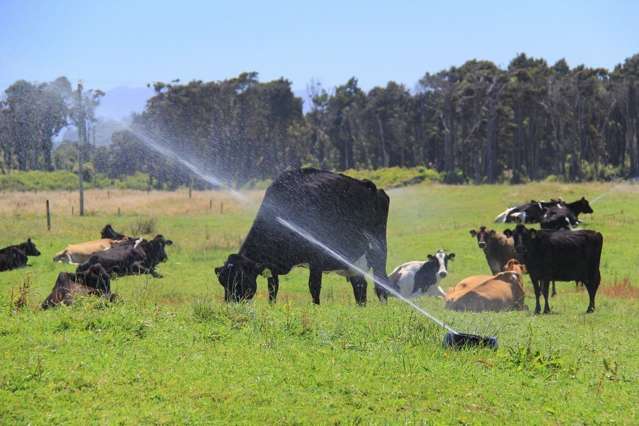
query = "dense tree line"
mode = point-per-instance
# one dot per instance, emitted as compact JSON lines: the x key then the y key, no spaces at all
{"x":473,"y":123}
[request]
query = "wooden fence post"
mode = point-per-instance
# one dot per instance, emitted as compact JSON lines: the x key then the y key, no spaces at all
{"x":71,"y":210}
{"x":211,"y":204}
{"x":222,"y":207}
{"x":48,"y":217}
{"x":118,"y":211}
{"x":190,"y":187}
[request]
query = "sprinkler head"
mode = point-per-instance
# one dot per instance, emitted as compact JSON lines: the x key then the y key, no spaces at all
{"x":461,"y":340}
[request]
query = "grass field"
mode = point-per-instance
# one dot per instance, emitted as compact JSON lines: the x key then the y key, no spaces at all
{"x":172,"y":352}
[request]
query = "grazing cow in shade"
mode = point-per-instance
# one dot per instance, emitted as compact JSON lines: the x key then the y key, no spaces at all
{"x":559,"y":256}
{"x":346,"y":214}
{"x":16,"y":256}
{"x":565,"y":216}
{"x":497,"y":247}
{"x":501,"y":292}
{"x":418,"y":278}
{"x":95,"y":281}
{"x":131,"y":259}
{"x":81,"y":252}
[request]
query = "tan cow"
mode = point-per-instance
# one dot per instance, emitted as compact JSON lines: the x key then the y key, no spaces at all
{"x":501,"y":292}
{"x":79,"y":253}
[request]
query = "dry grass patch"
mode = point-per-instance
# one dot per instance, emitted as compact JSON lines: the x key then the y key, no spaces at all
{"x":621,"y":290}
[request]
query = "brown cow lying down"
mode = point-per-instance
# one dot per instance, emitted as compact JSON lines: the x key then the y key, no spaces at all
{"x":94,"y":281}
{"x":80,"y":253}
{"x":501,"y":292}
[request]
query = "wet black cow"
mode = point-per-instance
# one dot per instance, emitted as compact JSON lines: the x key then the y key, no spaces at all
{"x":346,"y":214}
{"x":94,"y":281}
{"x":131,"y":259}
{"x":559,"y":256}
{"x":16,"y":256}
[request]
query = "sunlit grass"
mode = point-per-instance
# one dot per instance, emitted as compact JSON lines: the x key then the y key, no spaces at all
{"x":172,"y":352}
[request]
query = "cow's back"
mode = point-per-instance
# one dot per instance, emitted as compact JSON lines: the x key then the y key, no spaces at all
{"x":567,"y":255}
{"x":347,"y":214}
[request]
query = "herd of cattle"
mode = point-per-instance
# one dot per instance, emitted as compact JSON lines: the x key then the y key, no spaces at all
{"x":340,"y":226}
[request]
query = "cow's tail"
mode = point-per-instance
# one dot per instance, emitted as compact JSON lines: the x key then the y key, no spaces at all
{"x":503,"y":216}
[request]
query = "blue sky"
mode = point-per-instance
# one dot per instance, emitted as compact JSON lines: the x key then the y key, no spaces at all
{"x":130,"y":43}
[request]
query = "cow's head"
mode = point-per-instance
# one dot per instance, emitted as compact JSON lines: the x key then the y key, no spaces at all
{"x":513,"y":265}
{"x":238,"y":276}
{"x":441,"y":258}
{"x":522,"y":237}
{"x":97,"y":277}
{"x":109,"y":232}
{"x":29,"y":248}
{"x":582,"y":206}
{"x":154,"y":249}
{"x":482,"y":236}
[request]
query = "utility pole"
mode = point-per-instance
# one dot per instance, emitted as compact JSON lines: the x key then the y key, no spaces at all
{"x":81,"y":140}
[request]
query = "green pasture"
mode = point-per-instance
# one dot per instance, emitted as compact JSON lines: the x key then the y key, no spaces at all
{"x":171,"y":352}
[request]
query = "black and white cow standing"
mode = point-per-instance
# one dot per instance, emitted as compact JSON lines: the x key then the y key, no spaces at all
{"x":419,"y":278}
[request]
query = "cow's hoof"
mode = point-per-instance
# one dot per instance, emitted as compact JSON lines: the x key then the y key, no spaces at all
{"x":537,"y":311}
{"x":590,"y":310}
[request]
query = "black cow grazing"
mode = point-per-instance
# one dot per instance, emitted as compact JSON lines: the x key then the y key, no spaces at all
{"x":94,"y":281}
{"x":109,"y":232}
{"x":497,"y":247}
{"x":559,"y":256}
{"x":565,"y":216}
{"x":16,"y":256}
{"x":418,"y":278}
{"x":346,"y":214}
{"x":131,"y":259}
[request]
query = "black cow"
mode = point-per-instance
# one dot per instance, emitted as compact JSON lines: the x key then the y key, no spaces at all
{"x":16,"y":256}
{"x":565,"y":216}
{"x":131,"y":259}
{"x":559,"y":256}
{"x":531,"y":212}
{"x":109,"y":232}
{"x":347,"y":215}
{"x":94,"y":281}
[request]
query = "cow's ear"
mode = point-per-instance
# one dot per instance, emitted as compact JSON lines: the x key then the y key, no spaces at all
{"x":28,"y":240}
{"x":508,"y":233}
{"x":451,"y":256}
{"x":430,"y":257}
{"x":168,"y":242}
{"x":473,"y":233}
{"x":218,"y":270}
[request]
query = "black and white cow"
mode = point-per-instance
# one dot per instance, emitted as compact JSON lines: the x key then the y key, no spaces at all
{"x":313,"y":218}
{"x":565,"y":215}
{"x":419,"y":278}
{"x":531,"y":212}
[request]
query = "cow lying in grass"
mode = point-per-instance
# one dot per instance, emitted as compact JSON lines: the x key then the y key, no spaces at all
{"x":95,"y":282}
{"x":81,"y":252}
{"x":501,"y":292}
{"x":418,"y":278}
{"x":16,"y":256}
{"x":131,"y":259}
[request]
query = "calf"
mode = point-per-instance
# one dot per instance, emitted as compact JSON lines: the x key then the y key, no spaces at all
{"x":497,"y":247}
{"x":501,"y":292}
{"x":16,"y":256}
{"x":94,"y":281}
{"x":559,"y":256}
{"x":419,"y":278}
{"x":129,"y":259}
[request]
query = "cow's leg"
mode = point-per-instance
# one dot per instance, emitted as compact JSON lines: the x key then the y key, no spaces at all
{"x":273,"y":287}
{"x":592,"y":287}
{"x":545,"y":287}
{"x":359,"y":289}
{"x":315,"y":284}
{"x":537,"y":294}
{"x":554,"y":290}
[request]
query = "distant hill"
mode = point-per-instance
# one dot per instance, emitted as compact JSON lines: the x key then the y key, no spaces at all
{"x":120,"y":102}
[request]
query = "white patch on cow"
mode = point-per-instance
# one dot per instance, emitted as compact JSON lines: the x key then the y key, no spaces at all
{"x":501,"y":218}
{"x":137,"y":242}
{"x":405,"y":277}
{"x":441,"y":258}
{"x":360,"y":264}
